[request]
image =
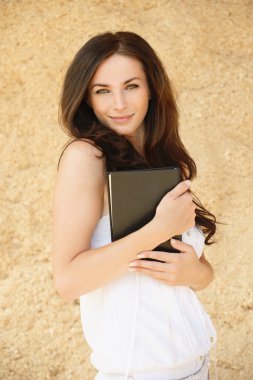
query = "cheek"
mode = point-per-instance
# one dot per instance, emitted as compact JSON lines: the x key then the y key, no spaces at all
{"x":99,"y":106}
{"x":143,"y":103}
{"x":142,"y":99}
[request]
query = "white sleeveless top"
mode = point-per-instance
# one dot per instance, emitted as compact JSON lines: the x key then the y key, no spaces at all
{"x":137,"y":323}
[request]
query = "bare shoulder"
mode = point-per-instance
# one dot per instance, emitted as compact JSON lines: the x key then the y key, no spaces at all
{"x":78,"y":197}
{"x":80,"y":179}
{"x":79,"y":151}
{"x":82,"y":156}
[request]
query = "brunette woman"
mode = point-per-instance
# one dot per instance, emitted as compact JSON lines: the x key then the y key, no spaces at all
{"x":142,"y":319}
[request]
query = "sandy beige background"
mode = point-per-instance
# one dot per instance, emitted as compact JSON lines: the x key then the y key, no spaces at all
{"x":207,"y":49}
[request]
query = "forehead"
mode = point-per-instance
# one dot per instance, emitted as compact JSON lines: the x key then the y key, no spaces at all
{"x":118,"y":68}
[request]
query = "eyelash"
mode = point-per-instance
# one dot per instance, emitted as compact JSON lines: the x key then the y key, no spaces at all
{"x":105,"y":91}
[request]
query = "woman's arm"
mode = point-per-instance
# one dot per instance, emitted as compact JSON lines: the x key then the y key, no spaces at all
{"x":77,"y":207}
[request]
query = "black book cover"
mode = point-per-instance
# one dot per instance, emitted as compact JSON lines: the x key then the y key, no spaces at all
{"x":134,"y":196}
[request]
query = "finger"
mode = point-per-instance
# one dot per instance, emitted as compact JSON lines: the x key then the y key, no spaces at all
{"x":151,"y":265}
{"x":150,"y":272}
{"x":164,"y":277}
{"x":181,"y":246}
{"x":180,"y":189}
{"x":166,"y":257}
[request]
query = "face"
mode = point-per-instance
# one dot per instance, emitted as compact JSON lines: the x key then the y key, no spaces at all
{"x":119,"y":96}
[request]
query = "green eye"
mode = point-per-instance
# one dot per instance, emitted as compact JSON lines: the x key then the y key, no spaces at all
{"x":103,"y":91}
{"x":132,"y":86}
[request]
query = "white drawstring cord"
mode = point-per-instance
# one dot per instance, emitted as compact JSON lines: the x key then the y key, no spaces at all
{"x":134,"y":329}
{"x":215,"y":361}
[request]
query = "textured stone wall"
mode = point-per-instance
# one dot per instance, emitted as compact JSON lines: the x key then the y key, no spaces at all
{"x":207,"y":49}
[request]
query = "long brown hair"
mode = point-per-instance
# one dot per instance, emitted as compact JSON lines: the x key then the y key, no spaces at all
{"x":162,"y":143}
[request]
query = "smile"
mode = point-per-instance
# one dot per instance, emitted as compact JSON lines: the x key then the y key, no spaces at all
{"x":121,"y":118}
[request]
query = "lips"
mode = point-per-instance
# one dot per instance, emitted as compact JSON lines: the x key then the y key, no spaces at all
{"x":124,"y":117}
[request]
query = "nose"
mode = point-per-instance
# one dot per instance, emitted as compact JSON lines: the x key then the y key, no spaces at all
{"x":119,"y":100}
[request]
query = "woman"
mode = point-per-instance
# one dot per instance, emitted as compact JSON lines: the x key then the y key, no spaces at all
{"x":141,"y":318}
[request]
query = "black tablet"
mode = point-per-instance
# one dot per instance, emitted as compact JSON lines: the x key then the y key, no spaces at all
{"x":134,"y":196}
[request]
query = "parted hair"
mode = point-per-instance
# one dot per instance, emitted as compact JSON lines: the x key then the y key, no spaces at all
{"x":162,"y":144}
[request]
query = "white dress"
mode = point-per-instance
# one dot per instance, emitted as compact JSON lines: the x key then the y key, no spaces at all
{"x":140,"y":328}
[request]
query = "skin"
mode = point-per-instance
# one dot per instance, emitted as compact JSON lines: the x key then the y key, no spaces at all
{"x":183,"y":268}
{"x":126,"y":93}
{"x":80,"y":200}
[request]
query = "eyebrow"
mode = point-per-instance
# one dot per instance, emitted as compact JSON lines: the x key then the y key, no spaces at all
{"x":107,"y":85}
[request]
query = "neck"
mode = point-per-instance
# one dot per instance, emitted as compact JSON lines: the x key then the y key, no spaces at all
{"x":137,"y":141}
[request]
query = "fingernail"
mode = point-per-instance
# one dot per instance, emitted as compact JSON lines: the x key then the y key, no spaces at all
{"x":140,"y":256}
{"x":173,"y":241}
{"x":133,"y":264}
{"x":188,"y":182}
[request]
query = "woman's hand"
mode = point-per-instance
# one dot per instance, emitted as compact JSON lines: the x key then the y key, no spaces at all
{"x":183,"y":268}
{"x":175,"y":212}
